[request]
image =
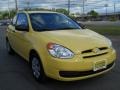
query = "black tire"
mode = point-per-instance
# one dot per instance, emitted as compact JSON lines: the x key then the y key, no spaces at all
{"x":9,"y":48}
{"x":41,"y":77}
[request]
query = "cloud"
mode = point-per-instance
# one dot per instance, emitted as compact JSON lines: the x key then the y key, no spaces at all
{"x":76,"y":5}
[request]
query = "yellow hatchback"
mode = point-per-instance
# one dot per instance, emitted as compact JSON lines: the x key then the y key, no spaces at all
{"x":58,"y":47}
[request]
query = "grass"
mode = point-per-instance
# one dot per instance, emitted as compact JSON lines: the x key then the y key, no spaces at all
{"x":105,"y":30}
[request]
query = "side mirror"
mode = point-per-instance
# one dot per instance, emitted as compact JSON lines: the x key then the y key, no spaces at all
{"x":21,"y":28}
{"x":82,"y":26}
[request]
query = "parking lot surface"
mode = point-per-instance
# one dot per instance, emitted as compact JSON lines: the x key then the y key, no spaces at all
{"x":15,"y":73}
{"x":102,"y":23}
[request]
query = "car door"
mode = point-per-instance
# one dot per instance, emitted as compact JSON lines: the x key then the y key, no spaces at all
{"x":22,"y":36}
{"x":11,"y":33}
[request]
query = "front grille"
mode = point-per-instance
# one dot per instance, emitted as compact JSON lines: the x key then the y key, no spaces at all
{"x":73,"y":74}
{"x":90,"y":53}
{"x":87,"y":51}
{"x":95,"y":55}
{"x":91,"y":50}
{"x":103,"y":48}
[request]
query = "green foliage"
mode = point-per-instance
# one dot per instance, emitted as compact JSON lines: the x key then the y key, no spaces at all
{"x":105,"y":30}
{"x":93,"y":13}
{"x":113,"y":18}
{"x":37,"y":9}
{"x":6,"y":14}
{"x":0,"y":15}
{"x":61,"y":10}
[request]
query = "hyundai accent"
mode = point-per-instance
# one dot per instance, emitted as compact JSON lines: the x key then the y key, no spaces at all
{"x":58,"y":47}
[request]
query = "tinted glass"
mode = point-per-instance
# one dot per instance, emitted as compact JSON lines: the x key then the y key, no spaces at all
{"x":52,"y":21}
{"x":22,"y":20}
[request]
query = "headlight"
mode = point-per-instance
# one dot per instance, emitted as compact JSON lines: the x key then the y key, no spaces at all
{"x":110,"y":42}
{"x":59,"y":51}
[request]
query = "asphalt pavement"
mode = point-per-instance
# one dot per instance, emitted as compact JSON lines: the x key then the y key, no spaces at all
{"x":15,"y":73}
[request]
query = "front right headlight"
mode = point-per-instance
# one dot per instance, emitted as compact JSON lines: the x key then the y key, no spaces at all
{"x":59,"y":51}
{"x":110,"y":42}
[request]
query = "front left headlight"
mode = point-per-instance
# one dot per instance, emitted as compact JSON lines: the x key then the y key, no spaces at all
{"x":59,"y":51}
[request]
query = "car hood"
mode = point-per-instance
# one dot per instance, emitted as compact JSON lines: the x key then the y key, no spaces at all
{"x":76,"y":40}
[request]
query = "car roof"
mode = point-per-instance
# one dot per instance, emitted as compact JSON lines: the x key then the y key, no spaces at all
{"x":30,"y":12}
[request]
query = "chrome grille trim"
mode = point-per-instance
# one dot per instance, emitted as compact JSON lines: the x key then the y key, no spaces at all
{"x":90,"y":53}
{"x":91,"y":56}
{"x":91,"y":50}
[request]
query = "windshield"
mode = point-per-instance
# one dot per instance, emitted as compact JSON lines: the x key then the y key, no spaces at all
{"x":51,"y":22}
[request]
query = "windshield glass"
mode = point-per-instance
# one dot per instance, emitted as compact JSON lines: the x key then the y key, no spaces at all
{"x":51,"y":22}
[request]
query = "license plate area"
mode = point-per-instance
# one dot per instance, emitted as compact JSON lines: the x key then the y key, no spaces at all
{"x":98,"y":65}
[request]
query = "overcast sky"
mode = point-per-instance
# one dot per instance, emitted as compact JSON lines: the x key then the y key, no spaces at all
{"x":76,"y":5}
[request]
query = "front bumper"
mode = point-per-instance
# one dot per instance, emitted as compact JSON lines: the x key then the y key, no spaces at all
{"x":77,"y":68}
{"x":73,"y":74}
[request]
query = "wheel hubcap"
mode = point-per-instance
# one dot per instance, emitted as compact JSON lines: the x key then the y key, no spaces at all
{"x":36,"y":67}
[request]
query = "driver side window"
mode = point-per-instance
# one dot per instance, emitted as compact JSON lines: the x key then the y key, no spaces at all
{"x":22,"y":20}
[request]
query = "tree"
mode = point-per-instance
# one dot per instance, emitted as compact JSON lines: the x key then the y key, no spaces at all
{"x":5,"y":15}
{"x":61,"y":10}
{"x":12,"y":13}
{"x":93,"y":13}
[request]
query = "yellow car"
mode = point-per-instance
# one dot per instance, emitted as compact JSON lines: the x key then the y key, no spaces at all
{"x":58,"y":47}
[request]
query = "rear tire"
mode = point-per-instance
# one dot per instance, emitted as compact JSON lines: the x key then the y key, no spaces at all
{"x":37,"y":68}
{"x":9,"y":48}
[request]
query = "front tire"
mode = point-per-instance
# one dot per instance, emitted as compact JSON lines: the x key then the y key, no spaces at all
{"x":37,"y":68}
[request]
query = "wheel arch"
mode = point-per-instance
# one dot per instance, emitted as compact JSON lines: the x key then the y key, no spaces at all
{"x":33,"y":51}
{"x":39,"y":54}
